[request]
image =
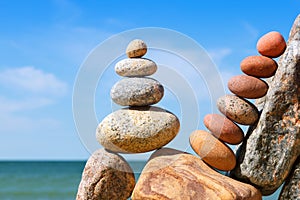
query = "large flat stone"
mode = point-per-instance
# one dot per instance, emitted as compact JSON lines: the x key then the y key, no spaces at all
{"x":272,"y":145}
{"x":175,"y":175}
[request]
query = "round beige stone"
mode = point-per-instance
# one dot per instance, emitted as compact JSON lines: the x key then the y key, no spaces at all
{"x":137,"y":129}
{"x":135,"y":67}
{"x":136,"y":49}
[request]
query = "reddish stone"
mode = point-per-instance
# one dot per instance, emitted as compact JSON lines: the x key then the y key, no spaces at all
{"x":248,"y":86}
{"x":212,"y":151}
{"x":223,"y":128}
{"x":271,"y":44}
{"x":259,"y":66}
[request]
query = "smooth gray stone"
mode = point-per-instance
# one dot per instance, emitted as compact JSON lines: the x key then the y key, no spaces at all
{"x":271,"y":147}
{"x":131,"y":67}
{"x":137,"y":92}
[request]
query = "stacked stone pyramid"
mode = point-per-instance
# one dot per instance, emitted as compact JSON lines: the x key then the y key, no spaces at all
{"x":140,"y":127}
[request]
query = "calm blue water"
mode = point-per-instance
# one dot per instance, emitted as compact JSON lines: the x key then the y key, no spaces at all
{"x":47,"y":180}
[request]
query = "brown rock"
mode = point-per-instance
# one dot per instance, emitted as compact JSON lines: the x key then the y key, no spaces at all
{"x":238,"y":109}
{"x":259,"y":66}
{"x":291,"y":188}
{"x":175,"y":175}
{"x":223,"y":128}
{"x":136,"y":49}
{"x":106,"y":176}
{"x":271,"y":44}
{"x":212,"y":151}
{"x":247,"y":86}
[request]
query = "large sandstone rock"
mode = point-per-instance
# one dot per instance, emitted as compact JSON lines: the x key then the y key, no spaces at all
{"x":175,"y":175}
{"x":291,"y":188}
{"x":106,"y":176}
{"x":272,"y":145}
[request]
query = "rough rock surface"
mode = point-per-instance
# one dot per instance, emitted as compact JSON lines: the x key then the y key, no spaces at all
{"x":175,"y":175}
{"x":137,"y":92}
{"x":106,"y":176}
{"x":137,"y":129}
{"x":272,"y":146}
{"x":291,"y":188}
{"x":238,"y":109}
{"x":135,"y":67}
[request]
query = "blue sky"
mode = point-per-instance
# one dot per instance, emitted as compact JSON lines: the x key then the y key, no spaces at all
{"x":44,"y":43}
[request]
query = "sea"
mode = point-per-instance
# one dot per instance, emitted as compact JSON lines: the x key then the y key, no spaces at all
{"x":49,"y":180}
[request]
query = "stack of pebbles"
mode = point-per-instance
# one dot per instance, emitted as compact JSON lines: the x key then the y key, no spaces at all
{"x":212,"y":147}
{"x":137,"y":128}
{"x":140,"y":127}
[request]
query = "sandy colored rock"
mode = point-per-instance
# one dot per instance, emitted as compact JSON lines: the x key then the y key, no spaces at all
{"x":212,"y":151}
{"x":238,"y":109}
{"x":106,"y":176}
{"x":271,"y":44}
{"x":136,"y":91}
{"x":247,"y":86}
{"x":259,"y":66}
{"x":175,"y":175}
{"x":135,"y":67}
{"x":136,"y":49}
{"x":223,"y":128}
{"x":291,"y":188}
{"x":271,"y":147}
{"x":137,"y":129}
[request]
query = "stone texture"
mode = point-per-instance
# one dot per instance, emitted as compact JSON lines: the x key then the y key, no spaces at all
{"x":137,"y":92}
{"x":259,"y":66}
{"x":175,"y":175}
{"x":272,"y":146}
{"x":137,"y":129}
{"x":238,"y":109}
{"x":135,"y":67}
{"x":223,"y":128}
{"x":212,"y":151}
{"x":291,"y":188}
{"x":271,"y":44}
{"x":247,"y":86}
{"x":106,"y":176}
{"x":136,"y":49}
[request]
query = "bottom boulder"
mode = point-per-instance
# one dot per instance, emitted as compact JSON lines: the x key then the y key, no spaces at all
{"x":171,"y":174}
{"x":106,"y":176}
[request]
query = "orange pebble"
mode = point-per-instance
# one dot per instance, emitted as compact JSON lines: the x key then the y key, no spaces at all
{"x":271,"y":44}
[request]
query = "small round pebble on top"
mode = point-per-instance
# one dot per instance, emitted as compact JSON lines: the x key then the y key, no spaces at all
{"x":271,"y":44}
{"x":136,"y":49}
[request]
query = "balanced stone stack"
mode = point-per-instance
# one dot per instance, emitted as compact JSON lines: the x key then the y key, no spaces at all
{"x":140,"y":127}
{"x":211,"y":147}
{"x":268,"y":155}
{"x":136,"y":129}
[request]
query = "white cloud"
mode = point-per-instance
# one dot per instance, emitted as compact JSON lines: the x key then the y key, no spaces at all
{"x":33,"y":80}
{"x":219,"y":54}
